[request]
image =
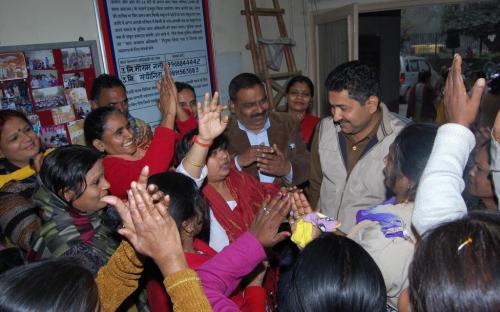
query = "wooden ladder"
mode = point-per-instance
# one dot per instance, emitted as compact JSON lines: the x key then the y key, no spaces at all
{"x":258,"y":49}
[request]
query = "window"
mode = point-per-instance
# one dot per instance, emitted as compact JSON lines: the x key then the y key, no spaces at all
{"x":414,"y":66}
{"x":423,"y":66}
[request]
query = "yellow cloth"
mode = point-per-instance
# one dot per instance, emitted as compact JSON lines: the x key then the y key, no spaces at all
{"x":304,"y":230}
{"x":186,"y":293}
{"x":119,"y":278}
{"x":303,"y":233}
{"x":20,"y":174}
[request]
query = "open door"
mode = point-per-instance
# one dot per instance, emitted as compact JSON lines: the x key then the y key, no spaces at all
{"x":336,"y":42}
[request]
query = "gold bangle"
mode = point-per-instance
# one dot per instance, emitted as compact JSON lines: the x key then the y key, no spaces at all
{"x":182,"y":281}
{"x":195,"y":164}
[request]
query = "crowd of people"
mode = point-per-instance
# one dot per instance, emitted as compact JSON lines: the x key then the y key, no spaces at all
{"x":363,"y":210}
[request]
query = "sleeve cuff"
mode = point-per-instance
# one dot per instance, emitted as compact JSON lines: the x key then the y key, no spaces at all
{"x":198,"y":181}
{"x":289,"y":177}
{"x":458,"y":135}
{"x":236,"y":164}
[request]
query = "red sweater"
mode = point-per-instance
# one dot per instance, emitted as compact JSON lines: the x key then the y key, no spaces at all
{"x":120,"y":172}
{"x":307,"y":127}
{"x":186,"y":125}
{"x":251,"y":299}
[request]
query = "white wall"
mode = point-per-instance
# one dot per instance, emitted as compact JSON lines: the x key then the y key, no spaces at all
{"x":46,"y":21}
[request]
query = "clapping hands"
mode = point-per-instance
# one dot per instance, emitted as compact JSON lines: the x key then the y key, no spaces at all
{"x":149,"y":228}
{"x":267,"y":221}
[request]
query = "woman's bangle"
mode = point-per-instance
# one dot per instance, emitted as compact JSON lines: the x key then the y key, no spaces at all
{"x":195,"y":140}
{"x":195,"y":164}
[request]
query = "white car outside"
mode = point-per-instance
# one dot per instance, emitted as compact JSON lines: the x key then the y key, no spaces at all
{"x":410,"y":66}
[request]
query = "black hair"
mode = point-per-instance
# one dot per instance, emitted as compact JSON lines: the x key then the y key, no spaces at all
{"x":66,"y":167}
{"x":495,"y":85}
{"x":10,"y":258}
{"x":333,"y":273}
{"x":424,"y":76}
{"x":185,"y":199}
{"x":182,"y":86}
{"x":479,"y":74}
{"x":93,"y":126}
{"x":359,"y":79}
{"x":410,"y":152}
{"x":456,"y":266}
{"x":486,"y":144}
{"x":243,"y":81}
{"x":300,"y":78}
{"x":104,"y":81}
{"x":8,"y":114}
{"x":53,"y":285}
{"x":219,"y":143}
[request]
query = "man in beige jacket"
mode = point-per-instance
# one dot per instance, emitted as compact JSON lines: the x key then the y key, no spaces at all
{"x":348,"y":150}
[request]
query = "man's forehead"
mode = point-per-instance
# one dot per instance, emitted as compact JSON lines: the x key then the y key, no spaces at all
{"x":338,"y":97}
{"x":343,"y":92}
{"x":112,"y":92}
{"x":244,"y":91}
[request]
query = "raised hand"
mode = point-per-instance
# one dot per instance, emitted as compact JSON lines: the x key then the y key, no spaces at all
{"x":168,"y":98}
{"x":153,"y":190}
{"x":267,"y":221}
{"x":460,"y":108}
{"x":123,"y":207}
{"x":154,"y":232}
{"x":210,"y":122}
{"x":275,"y":163}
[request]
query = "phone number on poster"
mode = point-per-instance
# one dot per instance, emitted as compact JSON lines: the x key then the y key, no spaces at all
{"x":185,"y":71}
{"x":185,"y":62}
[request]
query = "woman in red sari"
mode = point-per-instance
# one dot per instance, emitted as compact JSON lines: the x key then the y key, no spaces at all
{"x":299,"y":96}
{"x":233,"y":197}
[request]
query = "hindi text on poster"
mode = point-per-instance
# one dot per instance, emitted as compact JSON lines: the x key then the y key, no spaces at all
{"x":148,"y":33}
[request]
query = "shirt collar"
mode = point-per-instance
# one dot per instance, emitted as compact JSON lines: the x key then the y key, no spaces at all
{"x":267,"y":125}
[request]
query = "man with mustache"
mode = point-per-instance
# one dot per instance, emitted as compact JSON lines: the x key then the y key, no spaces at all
{"x":263,"y":143}
{"x":349,"y":148}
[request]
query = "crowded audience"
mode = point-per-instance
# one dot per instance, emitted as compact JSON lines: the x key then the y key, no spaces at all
{"x":194,"y":216}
